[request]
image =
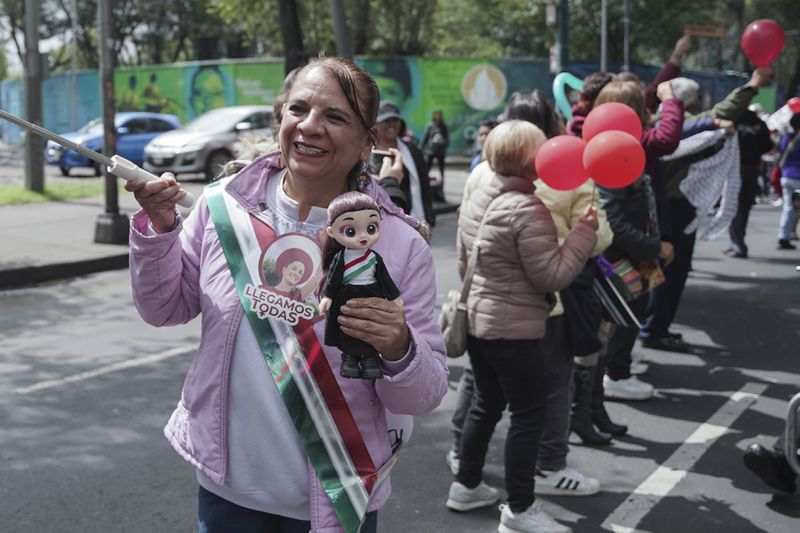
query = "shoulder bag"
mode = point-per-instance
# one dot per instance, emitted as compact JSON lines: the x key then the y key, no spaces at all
{"x":453,"y":316}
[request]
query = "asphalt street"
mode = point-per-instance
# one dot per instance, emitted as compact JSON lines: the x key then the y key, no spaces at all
{"x":86,"y":387}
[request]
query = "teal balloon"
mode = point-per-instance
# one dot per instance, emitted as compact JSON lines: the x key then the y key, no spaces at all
{"x":560,"y":83}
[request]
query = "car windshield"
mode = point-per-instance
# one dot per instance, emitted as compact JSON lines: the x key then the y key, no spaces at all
{"x":217,"y":120}
{"x":93,"y":127}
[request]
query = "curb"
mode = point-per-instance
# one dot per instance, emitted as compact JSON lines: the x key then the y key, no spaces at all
{"x":31,"y":275}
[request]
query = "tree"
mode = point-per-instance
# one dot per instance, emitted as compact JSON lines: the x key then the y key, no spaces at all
{"x":3,"y":60}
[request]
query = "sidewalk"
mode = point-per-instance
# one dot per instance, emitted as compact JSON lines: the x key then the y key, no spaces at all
{"x":55,"y":240}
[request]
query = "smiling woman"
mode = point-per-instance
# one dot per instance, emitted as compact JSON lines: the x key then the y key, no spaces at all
{"x":261,"y":364}
{"x":326,"y":131}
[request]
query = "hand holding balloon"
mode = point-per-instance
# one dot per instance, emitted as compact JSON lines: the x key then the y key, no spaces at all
{"x":761,"y":77}
{"x":589,"y":217}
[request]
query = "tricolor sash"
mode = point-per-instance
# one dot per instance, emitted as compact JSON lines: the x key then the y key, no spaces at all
{"x":359,"y":265}
{"x":299,"y":368}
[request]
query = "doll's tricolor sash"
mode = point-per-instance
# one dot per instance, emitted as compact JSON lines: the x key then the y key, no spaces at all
{"x":301,"y":372}
{"x":359,"y":265}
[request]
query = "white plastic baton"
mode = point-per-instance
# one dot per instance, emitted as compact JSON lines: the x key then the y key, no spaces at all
{"x":119,"y":166}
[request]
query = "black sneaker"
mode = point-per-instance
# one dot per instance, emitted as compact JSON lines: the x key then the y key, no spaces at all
{"x":784,"y":244}
{"x":371,"y":368}
{"x":350,"y":368}
{"x":771,"y":467}
{"x":667,"y":344}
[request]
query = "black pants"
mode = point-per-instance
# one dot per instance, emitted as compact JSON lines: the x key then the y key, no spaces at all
{"x":747,"y":197}
{"x":664,"y":299}
{"x":429,"y":164}
{"x":554,"y":443}
{"x":512,"y":373}
{"x":620,"y":344}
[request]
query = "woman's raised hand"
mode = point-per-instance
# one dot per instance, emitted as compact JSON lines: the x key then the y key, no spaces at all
{"x":158,"y":199}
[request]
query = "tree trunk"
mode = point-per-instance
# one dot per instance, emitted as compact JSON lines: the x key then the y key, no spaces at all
{"x":360,"y":25}
{"x":293,"y":51}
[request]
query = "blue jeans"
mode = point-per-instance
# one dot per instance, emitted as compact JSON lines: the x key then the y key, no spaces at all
{"x":218,"y":515}
{"x":788,"y":215}
{"x":466,"y":388}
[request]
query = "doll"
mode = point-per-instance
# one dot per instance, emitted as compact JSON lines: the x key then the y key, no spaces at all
{"x":354,"y":271}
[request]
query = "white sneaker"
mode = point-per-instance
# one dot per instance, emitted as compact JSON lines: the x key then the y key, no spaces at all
{"x":638,"y":368}
{"x":637,"y":357}
{"x":452,"y":462}
{"x":531,"y":520}
{"x":627,"y":389}
{"x":461,"y":498}
{"x":566,"y":482}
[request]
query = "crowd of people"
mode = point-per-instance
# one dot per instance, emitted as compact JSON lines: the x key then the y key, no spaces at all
{"x":541,"y":340}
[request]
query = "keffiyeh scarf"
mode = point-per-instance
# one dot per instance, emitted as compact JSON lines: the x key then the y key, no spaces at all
{"x":716,"y":178}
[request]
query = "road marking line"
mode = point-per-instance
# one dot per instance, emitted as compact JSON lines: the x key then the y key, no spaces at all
{"x":114,"y":367}
{"x":627,"y":516}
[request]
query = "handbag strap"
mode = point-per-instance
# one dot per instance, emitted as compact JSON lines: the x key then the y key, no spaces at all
{"x":789,"y":147}
{"x":473,"y":257}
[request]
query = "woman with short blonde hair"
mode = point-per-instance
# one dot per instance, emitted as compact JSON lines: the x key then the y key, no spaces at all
{"x":511,"y":147}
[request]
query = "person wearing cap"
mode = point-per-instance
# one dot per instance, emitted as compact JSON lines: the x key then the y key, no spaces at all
{"x":754,"y":141}
{"x":413,"y":182}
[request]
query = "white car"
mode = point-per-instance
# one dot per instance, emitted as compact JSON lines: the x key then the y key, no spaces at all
{"x":205,"y":144}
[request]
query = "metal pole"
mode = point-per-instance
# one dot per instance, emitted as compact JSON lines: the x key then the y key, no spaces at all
{"x":563,"y":35}
{"x":34,"y":147}
{"x":340,"y":28}
{"x":603,"y":34}
{"x":74,"y":66}
{"x":791,"y":434}
{"x":626,"y":21}
{"x":111,"y":227}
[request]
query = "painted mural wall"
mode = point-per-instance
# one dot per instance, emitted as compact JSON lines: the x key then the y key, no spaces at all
{"x":466,"y":90}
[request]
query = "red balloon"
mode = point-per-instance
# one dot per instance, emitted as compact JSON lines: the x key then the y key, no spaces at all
{"x":612,"y":116}
{"x":614,"y":159}
{"x":559,"y":162}
{"x":794,"y":104}
{"x":762,"y":42}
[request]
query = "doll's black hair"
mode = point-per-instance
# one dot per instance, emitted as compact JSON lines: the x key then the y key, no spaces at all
{"x":344,"y":203}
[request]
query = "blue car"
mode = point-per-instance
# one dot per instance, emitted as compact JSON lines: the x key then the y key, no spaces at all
{"x":134,"y":131}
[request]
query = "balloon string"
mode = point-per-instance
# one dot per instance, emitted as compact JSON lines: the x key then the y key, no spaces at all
{"x":594,"y":186}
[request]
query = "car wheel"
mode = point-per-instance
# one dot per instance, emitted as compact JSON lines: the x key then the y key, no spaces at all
{"x":216,"y":160}
{"x":98,"y":171}
{"x":64,"y":171}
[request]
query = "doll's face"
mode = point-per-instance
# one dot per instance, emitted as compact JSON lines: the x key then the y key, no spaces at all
{"x":356,"y":230}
